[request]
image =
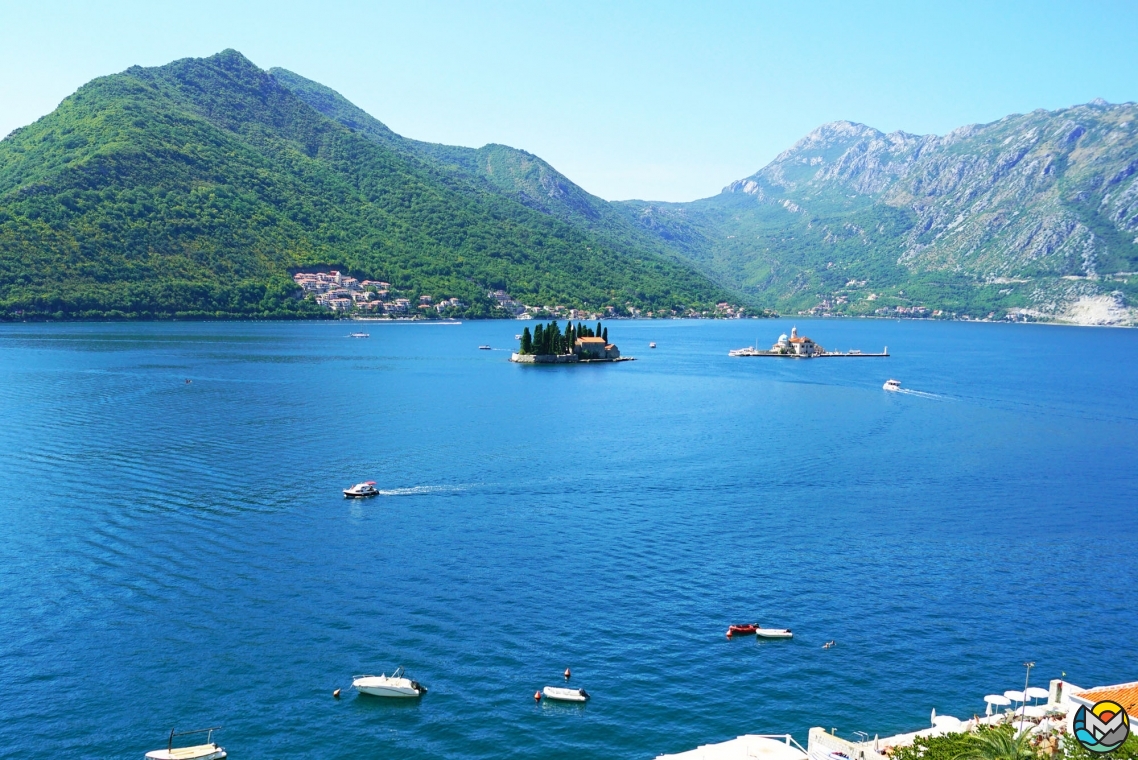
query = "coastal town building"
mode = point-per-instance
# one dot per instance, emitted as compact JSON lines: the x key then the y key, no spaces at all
{"x":1046,"y":722}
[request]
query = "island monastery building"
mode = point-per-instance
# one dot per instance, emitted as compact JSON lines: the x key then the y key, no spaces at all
{"x":799,"y":346}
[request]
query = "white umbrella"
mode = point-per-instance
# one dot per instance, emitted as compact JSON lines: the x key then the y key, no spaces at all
{"x":988,"y":712}
{"x":947,"y":723}
{"x":932,"y":718}
{"x":998,"y":700}
{"x":1037,"y":692}
{"x":1015,"y":696}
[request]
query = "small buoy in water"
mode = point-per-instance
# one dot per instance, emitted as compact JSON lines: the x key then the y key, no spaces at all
{"x":537,"y":696}
{"x":336,"y":694}
{"x":567,"y":674}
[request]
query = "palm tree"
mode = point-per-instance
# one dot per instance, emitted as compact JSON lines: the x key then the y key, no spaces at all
{"x":999,"y":744}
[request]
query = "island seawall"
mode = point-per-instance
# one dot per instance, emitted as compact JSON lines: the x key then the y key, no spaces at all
{"x":544,"y":358}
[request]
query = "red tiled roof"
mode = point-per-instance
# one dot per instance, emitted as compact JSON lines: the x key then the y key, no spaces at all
{"x":1125,"y":694}
{"x":592,"y":340}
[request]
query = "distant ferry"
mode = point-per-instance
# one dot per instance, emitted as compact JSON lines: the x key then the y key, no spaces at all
{"x":359,"y":335}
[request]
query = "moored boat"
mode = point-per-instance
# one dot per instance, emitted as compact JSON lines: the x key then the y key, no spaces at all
{"x":746,"y":629}
{"x":361,"y":490}
{"x":394,"y":685}
{"x":208,"y":751}
{"x":774,"y":633}
{"x":562,"y":694}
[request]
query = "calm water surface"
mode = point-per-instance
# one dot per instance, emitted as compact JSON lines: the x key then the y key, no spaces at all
{"x":179,"y":554}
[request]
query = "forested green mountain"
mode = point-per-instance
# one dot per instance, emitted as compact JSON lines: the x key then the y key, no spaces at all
{"x":195,"y":188}
{"x":1035,"y":214}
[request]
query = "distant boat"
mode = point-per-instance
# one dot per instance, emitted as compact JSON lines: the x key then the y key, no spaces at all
{"x":361,"y":490}
{"x":892,"y":385}
{"x":562,"y":694}
{"x":359,"y":335}
{"x":394,"y":685}
{"x":747,"y":629}
{"x":487,"y":348}
{"x":651,"y":345}
{"x":774,"y":633}
{"x":518,"y":337}
{"x":207,"y":751}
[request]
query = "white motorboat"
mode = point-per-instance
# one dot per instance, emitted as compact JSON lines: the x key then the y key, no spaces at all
{"x":774,"y":633}
{"x":892,"y":385}
{"x":394,"y":685}
{"x":651,"y":345}
{"x":359,"y":335}
{"x":562,"y":694}
{"x":208,"y":751}
{"x":487,"y":348}
{"x":361,"y":490}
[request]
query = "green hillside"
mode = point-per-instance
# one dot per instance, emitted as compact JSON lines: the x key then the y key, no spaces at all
{"x":195,"y":189}
{"x":1035,"y":214}
{"x":510,"y":172}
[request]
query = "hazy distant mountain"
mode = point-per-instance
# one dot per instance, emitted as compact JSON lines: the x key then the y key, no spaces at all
{"x":193,"y":189}
{"x":1037,"y":212}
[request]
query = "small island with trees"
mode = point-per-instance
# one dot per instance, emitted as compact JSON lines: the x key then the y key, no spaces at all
{"x":578,"y":344}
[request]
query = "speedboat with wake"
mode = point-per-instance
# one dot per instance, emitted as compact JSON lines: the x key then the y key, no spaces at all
{"x":394,"y":685}
{"x":361,"y":490}
{"x":208,"y":751}
{"x":892,"y":385}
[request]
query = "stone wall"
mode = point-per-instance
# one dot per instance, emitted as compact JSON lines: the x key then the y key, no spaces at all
{"x":544,"y":358}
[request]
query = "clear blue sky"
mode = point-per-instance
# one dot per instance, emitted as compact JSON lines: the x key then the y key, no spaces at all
{"x":665,"y":100}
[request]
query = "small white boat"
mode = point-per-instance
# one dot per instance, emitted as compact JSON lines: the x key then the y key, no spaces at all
{"x":562,"y":694}
{"x":774,"y":633}
{"x":892,"y":385}
{"x":394,"y":685}
{"x":487,"y":348}
{"x":207,"y":751}
{"x":361,"y":490}
{"x":518,"y":336}
{"x":651,"y":345}
{"x":359,"y":335}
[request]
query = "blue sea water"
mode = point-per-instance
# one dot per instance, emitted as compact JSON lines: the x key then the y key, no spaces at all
{"x":179,"y":554}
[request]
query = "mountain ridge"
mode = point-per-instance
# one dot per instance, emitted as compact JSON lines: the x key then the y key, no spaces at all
{"x":1047,"y":199}
{"x":194,"y":189}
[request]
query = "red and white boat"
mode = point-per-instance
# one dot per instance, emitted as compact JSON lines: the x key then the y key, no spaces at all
{"x":747,"y":629}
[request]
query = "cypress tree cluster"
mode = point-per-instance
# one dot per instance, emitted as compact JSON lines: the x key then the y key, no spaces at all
{"x":548,"y":339}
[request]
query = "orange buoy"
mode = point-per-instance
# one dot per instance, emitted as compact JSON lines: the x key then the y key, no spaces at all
{"x":567,"y":674}
{"x":537,"y":696}
{"x":336,"y":694}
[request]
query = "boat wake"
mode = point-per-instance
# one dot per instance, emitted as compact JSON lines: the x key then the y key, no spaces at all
{"x":420,"y":490}
{"x":922,"y":394}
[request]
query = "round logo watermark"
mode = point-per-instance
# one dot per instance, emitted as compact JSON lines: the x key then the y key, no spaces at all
{"x":1101,"y":728}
